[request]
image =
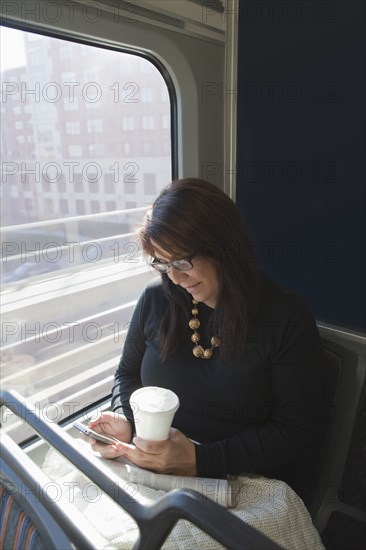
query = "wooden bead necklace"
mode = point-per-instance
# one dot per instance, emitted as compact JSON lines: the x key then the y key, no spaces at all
{"x":194,"y":324}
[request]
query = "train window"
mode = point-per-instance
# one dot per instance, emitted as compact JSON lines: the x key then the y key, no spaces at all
{"x":77,"y":175}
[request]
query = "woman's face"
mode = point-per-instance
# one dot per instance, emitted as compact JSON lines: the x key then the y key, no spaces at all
{"x":201,"y":281}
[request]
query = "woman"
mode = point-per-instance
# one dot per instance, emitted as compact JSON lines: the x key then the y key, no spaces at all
{"x":248,"y":375}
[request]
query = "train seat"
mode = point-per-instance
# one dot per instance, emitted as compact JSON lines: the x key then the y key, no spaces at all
{"x":344,"y":401}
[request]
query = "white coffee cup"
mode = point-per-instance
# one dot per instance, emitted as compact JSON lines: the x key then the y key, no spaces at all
{"x":153,"y":410}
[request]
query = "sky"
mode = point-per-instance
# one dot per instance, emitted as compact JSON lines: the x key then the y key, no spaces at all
{"x":12,"y":48}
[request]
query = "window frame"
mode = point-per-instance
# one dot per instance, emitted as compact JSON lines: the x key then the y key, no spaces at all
{"x":95,"y":203}
{"x":180,"y":67}
{"x":99,"y":42}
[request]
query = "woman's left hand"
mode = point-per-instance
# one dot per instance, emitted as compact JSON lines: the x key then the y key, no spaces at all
{"x":175,"y":455}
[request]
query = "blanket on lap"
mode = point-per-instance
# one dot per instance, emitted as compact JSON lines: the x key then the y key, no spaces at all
{"x":269,"y":505}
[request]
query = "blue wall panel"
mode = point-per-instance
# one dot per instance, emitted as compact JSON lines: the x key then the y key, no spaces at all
{"x":301,"y":148}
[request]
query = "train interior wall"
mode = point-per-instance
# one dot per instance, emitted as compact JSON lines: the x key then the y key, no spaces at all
{"x":301,"y":173}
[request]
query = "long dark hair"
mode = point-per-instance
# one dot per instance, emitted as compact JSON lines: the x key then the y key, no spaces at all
{"x":192,"y":217}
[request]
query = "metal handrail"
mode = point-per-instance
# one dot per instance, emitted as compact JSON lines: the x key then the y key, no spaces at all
{"x":83,"y":217}
{"x":29,"y":486}
{"x":155,"y":522}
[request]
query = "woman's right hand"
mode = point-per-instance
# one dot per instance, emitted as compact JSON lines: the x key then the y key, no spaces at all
{"x":113,"y":424}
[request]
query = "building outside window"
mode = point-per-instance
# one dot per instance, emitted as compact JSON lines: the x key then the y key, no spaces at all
{"x":89,"y":180}
{"x":148,"y":122}
{"x":150,"y":184}
{"x":128,"y":123}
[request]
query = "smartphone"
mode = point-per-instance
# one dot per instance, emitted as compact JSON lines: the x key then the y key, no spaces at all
{"x":102,"y":438}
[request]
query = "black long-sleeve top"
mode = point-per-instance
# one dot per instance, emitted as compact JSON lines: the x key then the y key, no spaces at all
{"x":256,"y":414}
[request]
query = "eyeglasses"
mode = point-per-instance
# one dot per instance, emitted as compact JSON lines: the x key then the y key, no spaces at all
{"x":180,"y":265}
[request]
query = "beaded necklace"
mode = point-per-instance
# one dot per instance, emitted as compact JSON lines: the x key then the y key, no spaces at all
{"x":194,"y":324}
